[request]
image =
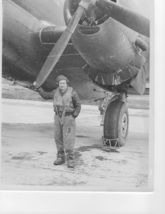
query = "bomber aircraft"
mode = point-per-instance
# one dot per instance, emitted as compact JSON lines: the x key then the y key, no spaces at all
{"x":100,"y":45}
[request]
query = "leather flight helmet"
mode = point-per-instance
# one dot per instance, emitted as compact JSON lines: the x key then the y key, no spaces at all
{"x":62,"y":77}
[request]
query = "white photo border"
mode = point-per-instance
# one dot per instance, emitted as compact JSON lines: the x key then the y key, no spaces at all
{"x":103,"y":202}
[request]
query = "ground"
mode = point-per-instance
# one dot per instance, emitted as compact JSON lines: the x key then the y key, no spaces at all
{"x":28,"y":149}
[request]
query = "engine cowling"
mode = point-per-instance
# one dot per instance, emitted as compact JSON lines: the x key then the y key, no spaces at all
{"x":105,"y":44}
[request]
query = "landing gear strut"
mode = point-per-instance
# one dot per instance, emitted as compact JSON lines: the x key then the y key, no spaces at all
{"x":116,"y":122}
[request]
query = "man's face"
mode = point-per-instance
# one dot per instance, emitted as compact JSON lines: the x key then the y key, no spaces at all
{"x":63,"y":85}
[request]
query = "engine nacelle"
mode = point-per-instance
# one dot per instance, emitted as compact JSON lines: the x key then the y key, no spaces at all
{"x":107,"y":45}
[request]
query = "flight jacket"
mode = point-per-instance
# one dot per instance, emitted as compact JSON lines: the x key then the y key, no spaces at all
{"x":73,"y":102}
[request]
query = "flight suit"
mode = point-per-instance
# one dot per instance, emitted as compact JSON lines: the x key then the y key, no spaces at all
{"x":67,"y":107}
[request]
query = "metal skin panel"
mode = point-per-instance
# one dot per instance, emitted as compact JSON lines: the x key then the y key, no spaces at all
{"x":17,"y":38}
{"x":51,"y":34}
{"x":114,"y":52}
{"x":104,"y":50}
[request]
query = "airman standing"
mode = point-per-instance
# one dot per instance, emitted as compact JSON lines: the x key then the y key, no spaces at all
{"x":66,"y":107}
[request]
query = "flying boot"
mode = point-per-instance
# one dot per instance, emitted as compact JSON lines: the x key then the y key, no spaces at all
{"x":60,"y":159}
{"x":70,"y":163}
{"x":70,"y":160}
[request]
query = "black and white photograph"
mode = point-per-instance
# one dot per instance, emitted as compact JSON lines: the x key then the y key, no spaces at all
{"x":77,"y":95}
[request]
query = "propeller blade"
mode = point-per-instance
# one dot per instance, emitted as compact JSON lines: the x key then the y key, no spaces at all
{"x":125,"y":16}
{"x":61,"y":44}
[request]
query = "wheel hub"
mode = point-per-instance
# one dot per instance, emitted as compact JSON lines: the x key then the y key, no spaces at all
{"x":124,"y":125}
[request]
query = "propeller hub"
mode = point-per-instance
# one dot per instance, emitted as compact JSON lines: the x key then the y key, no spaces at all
{"x":92,"y":16}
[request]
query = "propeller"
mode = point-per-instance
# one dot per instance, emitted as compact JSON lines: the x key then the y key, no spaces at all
{"x":133,"y":20}
{"x":61,"y":44}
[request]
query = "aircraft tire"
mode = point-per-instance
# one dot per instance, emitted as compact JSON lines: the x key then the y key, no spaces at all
{"x":116,"y":122}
